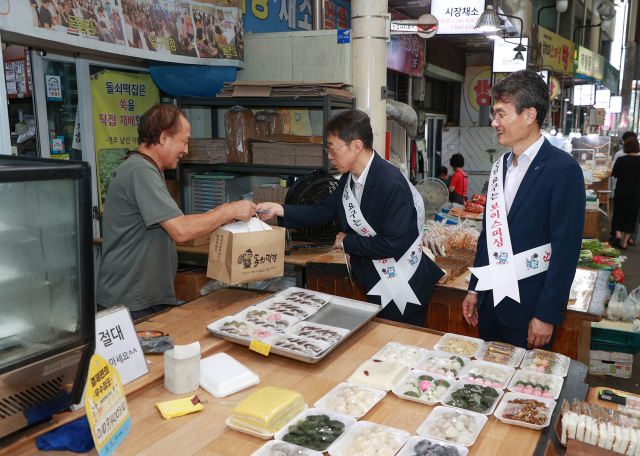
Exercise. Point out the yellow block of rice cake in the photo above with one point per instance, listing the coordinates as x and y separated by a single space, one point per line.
267 410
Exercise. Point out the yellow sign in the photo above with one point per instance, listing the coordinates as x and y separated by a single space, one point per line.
119 101
260 347
554 88
106 406
555 51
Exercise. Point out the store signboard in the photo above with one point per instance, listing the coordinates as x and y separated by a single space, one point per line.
611 79
405 53
504 53
615 105
456 17
556 52
603 98
183 31
584 95
119 100
337 14
588 64
54 87
264 16
554 88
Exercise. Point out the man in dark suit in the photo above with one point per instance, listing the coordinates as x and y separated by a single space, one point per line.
544 199
384 204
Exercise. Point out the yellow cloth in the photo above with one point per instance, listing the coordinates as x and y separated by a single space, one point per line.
179 407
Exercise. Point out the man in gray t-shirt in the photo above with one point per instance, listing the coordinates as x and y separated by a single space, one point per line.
142 222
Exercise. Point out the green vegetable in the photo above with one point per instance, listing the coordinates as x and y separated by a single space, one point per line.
612 279
586 256
610 252
594 246
598 266
617 262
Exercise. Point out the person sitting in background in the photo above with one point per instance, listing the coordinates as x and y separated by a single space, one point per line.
615 235
443 175
626 204
459 181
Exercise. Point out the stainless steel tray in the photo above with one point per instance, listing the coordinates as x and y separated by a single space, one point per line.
338 312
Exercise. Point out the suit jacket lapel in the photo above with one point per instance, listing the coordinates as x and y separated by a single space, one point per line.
530 177
370 183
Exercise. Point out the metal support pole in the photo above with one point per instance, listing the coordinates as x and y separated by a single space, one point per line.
317 14
5 132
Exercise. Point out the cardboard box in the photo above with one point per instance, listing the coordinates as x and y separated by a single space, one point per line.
188 283
202 240
236 258
611 356
600 367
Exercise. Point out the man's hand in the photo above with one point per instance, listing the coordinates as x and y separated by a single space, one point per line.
470 309
339 238
274 209
242 210
539 333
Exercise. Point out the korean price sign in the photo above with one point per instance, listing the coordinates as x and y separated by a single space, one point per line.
119 101
106 405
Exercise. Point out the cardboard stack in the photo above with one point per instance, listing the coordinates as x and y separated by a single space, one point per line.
279 89
206 151
188 283
610 363
287 154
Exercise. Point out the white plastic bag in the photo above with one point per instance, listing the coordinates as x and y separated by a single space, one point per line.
622 306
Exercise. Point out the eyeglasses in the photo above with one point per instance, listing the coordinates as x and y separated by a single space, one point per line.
499 116
331 151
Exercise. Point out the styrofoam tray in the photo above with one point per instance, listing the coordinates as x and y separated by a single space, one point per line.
459 384
377 394
258 434
348 421
221 375
549 378
442 355
387 387
218 324
264 450
292 321
308 310
437 413
284 338
509 371
338 449
564 364
295 330
403 361
399 390
316 294
407 449
448 336
515 362
511 396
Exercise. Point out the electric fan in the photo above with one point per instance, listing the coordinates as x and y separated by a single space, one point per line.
435 194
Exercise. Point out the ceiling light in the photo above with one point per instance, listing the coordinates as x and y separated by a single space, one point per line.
562 5
494 35
519 56
569 112
489 20
553 131
567 99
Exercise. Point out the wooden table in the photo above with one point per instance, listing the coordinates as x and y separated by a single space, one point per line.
298 257
328 274
205 433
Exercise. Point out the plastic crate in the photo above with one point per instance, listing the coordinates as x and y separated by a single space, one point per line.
615 338
601 346
439 218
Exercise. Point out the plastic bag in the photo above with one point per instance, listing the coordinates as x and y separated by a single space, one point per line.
156 344
473 207
480 199
274 122
444 245
239 125
616 303
471 241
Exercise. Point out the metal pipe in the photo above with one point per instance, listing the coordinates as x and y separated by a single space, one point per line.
584 24
369 59
317 14
543 8
581 27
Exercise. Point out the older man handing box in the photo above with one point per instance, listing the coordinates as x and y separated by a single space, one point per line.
532 229
382 217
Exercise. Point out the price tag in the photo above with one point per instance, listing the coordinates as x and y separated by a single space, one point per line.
260 347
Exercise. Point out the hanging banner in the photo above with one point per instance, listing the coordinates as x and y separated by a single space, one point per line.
588 64
204 32
611 79
119 100
405 53
106 405
552 50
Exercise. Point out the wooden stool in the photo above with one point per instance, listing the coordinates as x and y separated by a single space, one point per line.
603 198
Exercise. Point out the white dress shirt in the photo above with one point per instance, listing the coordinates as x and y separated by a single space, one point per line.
359 183
515 174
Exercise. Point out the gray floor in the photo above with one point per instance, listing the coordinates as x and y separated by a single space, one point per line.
631 269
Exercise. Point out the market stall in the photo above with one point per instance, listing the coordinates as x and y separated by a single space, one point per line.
205 432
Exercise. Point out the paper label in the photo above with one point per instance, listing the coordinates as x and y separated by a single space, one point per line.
260 347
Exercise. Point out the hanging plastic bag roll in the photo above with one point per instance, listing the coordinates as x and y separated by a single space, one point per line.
239 125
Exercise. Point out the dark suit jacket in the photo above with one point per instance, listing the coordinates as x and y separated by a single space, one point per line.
549 207
387 205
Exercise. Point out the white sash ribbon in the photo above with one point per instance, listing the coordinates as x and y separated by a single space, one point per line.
505 268
394 275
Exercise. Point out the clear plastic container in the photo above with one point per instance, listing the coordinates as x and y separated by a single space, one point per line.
451 415
409 448
436 361
348 422
533 382
438 380
445 345
477 369
501 354
338 449
378 395
460 384
546 362
395 352
504 405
